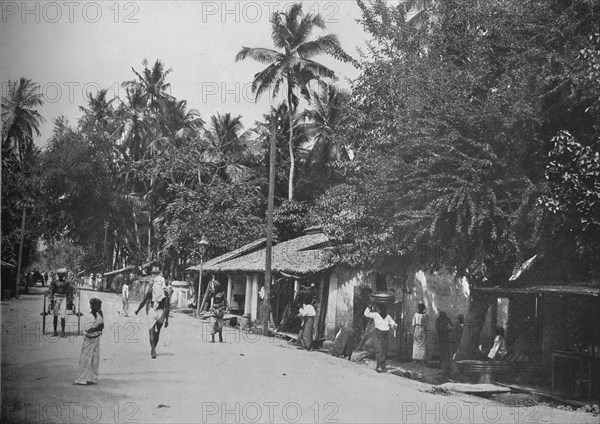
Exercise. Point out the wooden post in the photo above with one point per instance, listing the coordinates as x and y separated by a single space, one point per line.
21 251
248 298
254 304
269 247
229 289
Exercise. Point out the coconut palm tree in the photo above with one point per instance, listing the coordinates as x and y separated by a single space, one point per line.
301 139
153 82
293 64
20 119
231 147
176 123
98 113
324 121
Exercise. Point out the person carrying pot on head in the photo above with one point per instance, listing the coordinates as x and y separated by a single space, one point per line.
382 333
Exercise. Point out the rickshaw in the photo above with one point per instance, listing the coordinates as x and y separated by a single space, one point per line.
73 298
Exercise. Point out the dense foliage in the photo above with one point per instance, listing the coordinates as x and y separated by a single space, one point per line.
470 139
453 123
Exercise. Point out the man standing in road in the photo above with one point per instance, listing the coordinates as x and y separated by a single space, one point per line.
157 302
60 290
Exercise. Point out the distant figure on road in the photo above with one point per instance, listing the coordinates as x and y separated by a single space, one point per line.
157 304
420 322
125 294
382 334
219 309
89 360
308 314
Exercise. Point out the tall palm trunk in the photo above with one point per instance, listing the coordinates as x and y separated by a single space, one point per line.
136 231
149 234
291 142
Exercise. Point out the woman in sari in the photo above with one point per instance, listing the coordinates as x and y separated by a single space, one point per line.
89 359
308 314
420 322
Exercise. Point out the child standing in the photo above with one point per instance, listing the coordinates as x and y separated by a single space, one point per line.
90 351
219 309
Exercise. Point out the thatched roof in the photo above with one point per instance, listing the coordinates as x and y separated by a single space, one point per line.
303 255
255 245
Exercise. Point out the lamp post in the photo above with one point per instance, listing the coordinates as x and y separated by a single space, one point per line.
202 248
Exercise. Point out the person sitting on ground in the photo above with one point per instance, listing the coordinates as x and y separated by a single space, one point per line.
499 351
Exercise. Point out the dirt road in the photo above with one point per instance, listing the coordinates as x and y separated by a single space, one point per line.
245 379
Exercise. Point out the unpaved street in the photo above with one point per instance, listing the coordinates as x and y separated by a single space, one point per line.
245 379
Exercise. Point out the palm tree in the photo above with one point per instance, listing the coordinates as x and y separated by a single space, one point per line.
99 111
301 138
292 65
153 82
325 119
231 147
20 119
176 123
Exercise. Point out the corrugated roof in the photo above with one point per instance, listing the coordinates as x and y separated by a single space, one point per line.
573 289
118 271
303 255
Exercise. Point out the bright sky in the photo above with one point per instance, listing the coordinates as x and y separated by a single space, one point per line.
74 47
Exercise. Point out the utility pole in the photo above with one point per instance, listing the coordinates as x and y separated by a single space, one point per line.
269 247
21 250
104 249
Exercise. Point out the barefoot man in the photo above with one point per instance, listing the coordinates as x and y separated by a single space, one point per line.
157 301
59 291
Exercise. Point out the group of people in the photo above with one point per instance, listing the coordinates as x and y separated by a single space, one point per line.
448 335
156 301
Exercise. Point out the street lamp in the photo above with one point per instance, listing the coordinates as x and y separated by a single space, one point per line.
202 248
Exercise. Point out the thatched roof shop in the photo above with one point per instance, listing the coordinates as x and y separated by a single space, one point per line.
307 254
